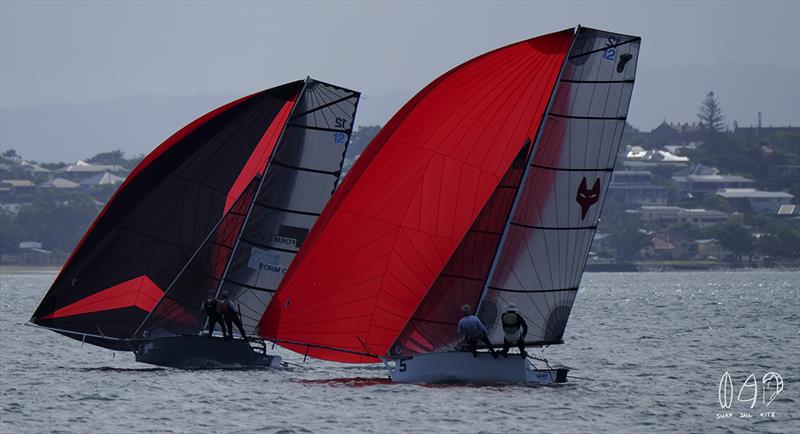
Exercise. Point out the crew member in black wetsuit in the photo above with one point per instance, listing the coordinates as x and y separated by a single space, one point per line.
211 308
230 312
514 330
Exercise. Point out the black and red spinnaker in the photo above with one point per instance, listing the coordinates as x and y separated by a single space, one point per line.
159 216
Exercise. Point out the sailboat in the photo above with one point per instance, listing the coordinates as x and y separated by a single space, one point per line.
484 189
222 205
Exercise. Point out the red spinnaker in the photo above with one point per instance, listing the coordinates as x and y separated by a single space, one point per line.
408 202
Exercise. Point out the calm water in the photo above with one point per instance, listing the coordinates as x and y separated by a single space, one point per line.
647 351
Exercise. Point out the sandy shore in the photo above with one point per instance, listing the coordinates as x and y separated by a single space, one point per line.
22 269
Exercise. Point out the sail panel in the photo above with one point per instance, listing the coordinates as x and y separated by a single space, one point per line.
409 201
297 188
571 135
161 213
540 266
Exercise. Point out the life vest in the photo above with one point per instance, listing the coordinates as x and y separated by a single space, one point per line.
224 308
512 326
511 322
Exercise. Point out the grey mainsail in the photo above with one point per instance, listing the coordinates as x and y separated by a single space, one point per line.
540 264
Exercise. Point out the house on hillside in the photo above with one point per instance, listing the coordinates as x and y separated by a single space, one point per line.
709 249
675 133
673 215
59 183
668 245
701 185
82 170
758 201
101 179
637 158
697 169
34 169
634 188
13 189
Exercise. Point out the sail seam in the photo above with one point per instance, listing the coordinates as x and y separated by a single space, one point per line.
567 80
330 130
604 48
554 228
573 169
456 276
530 291
306 169
324 106
591 118
277 208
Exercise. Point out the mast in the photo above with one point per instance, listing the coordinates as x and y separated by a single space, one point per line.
542 124
258 189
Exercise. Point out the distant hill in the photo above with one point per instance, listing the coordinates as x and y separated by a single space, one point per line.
137 124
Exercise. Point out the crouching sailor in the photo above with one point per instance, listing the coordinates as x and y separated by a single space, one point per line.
211 309
231 315
514 330
471 329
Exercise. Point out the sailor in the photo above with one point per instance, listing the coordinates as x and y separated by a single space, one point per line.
230 312
514 330
210 307
472 330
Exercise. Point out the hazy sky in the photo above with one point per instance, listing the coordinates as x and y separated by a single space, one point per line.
91 51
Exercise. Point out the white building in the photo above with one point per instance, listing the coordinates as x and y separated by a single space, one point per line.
759 201
677 215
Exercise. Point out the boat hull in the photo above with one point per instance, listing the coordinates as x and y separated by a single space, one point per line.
201 352
462 367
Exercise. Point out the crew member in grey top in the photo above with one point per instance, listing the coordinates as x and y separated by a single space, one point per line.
471 330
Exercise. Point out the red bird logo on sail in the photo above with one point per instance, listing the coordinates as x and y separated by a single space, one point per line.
586 197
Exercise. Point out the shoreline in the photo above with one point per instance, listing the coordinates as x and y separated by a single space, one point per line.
29 269
593 268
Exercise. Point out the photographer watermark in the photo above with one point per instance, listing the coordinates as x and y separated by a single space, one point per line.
771 387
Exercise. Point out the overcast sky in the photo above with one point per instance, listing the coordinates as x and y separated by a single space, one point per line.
93 51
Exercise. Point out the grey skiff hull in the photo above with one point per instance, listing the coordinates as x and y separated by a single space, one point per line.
200 352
